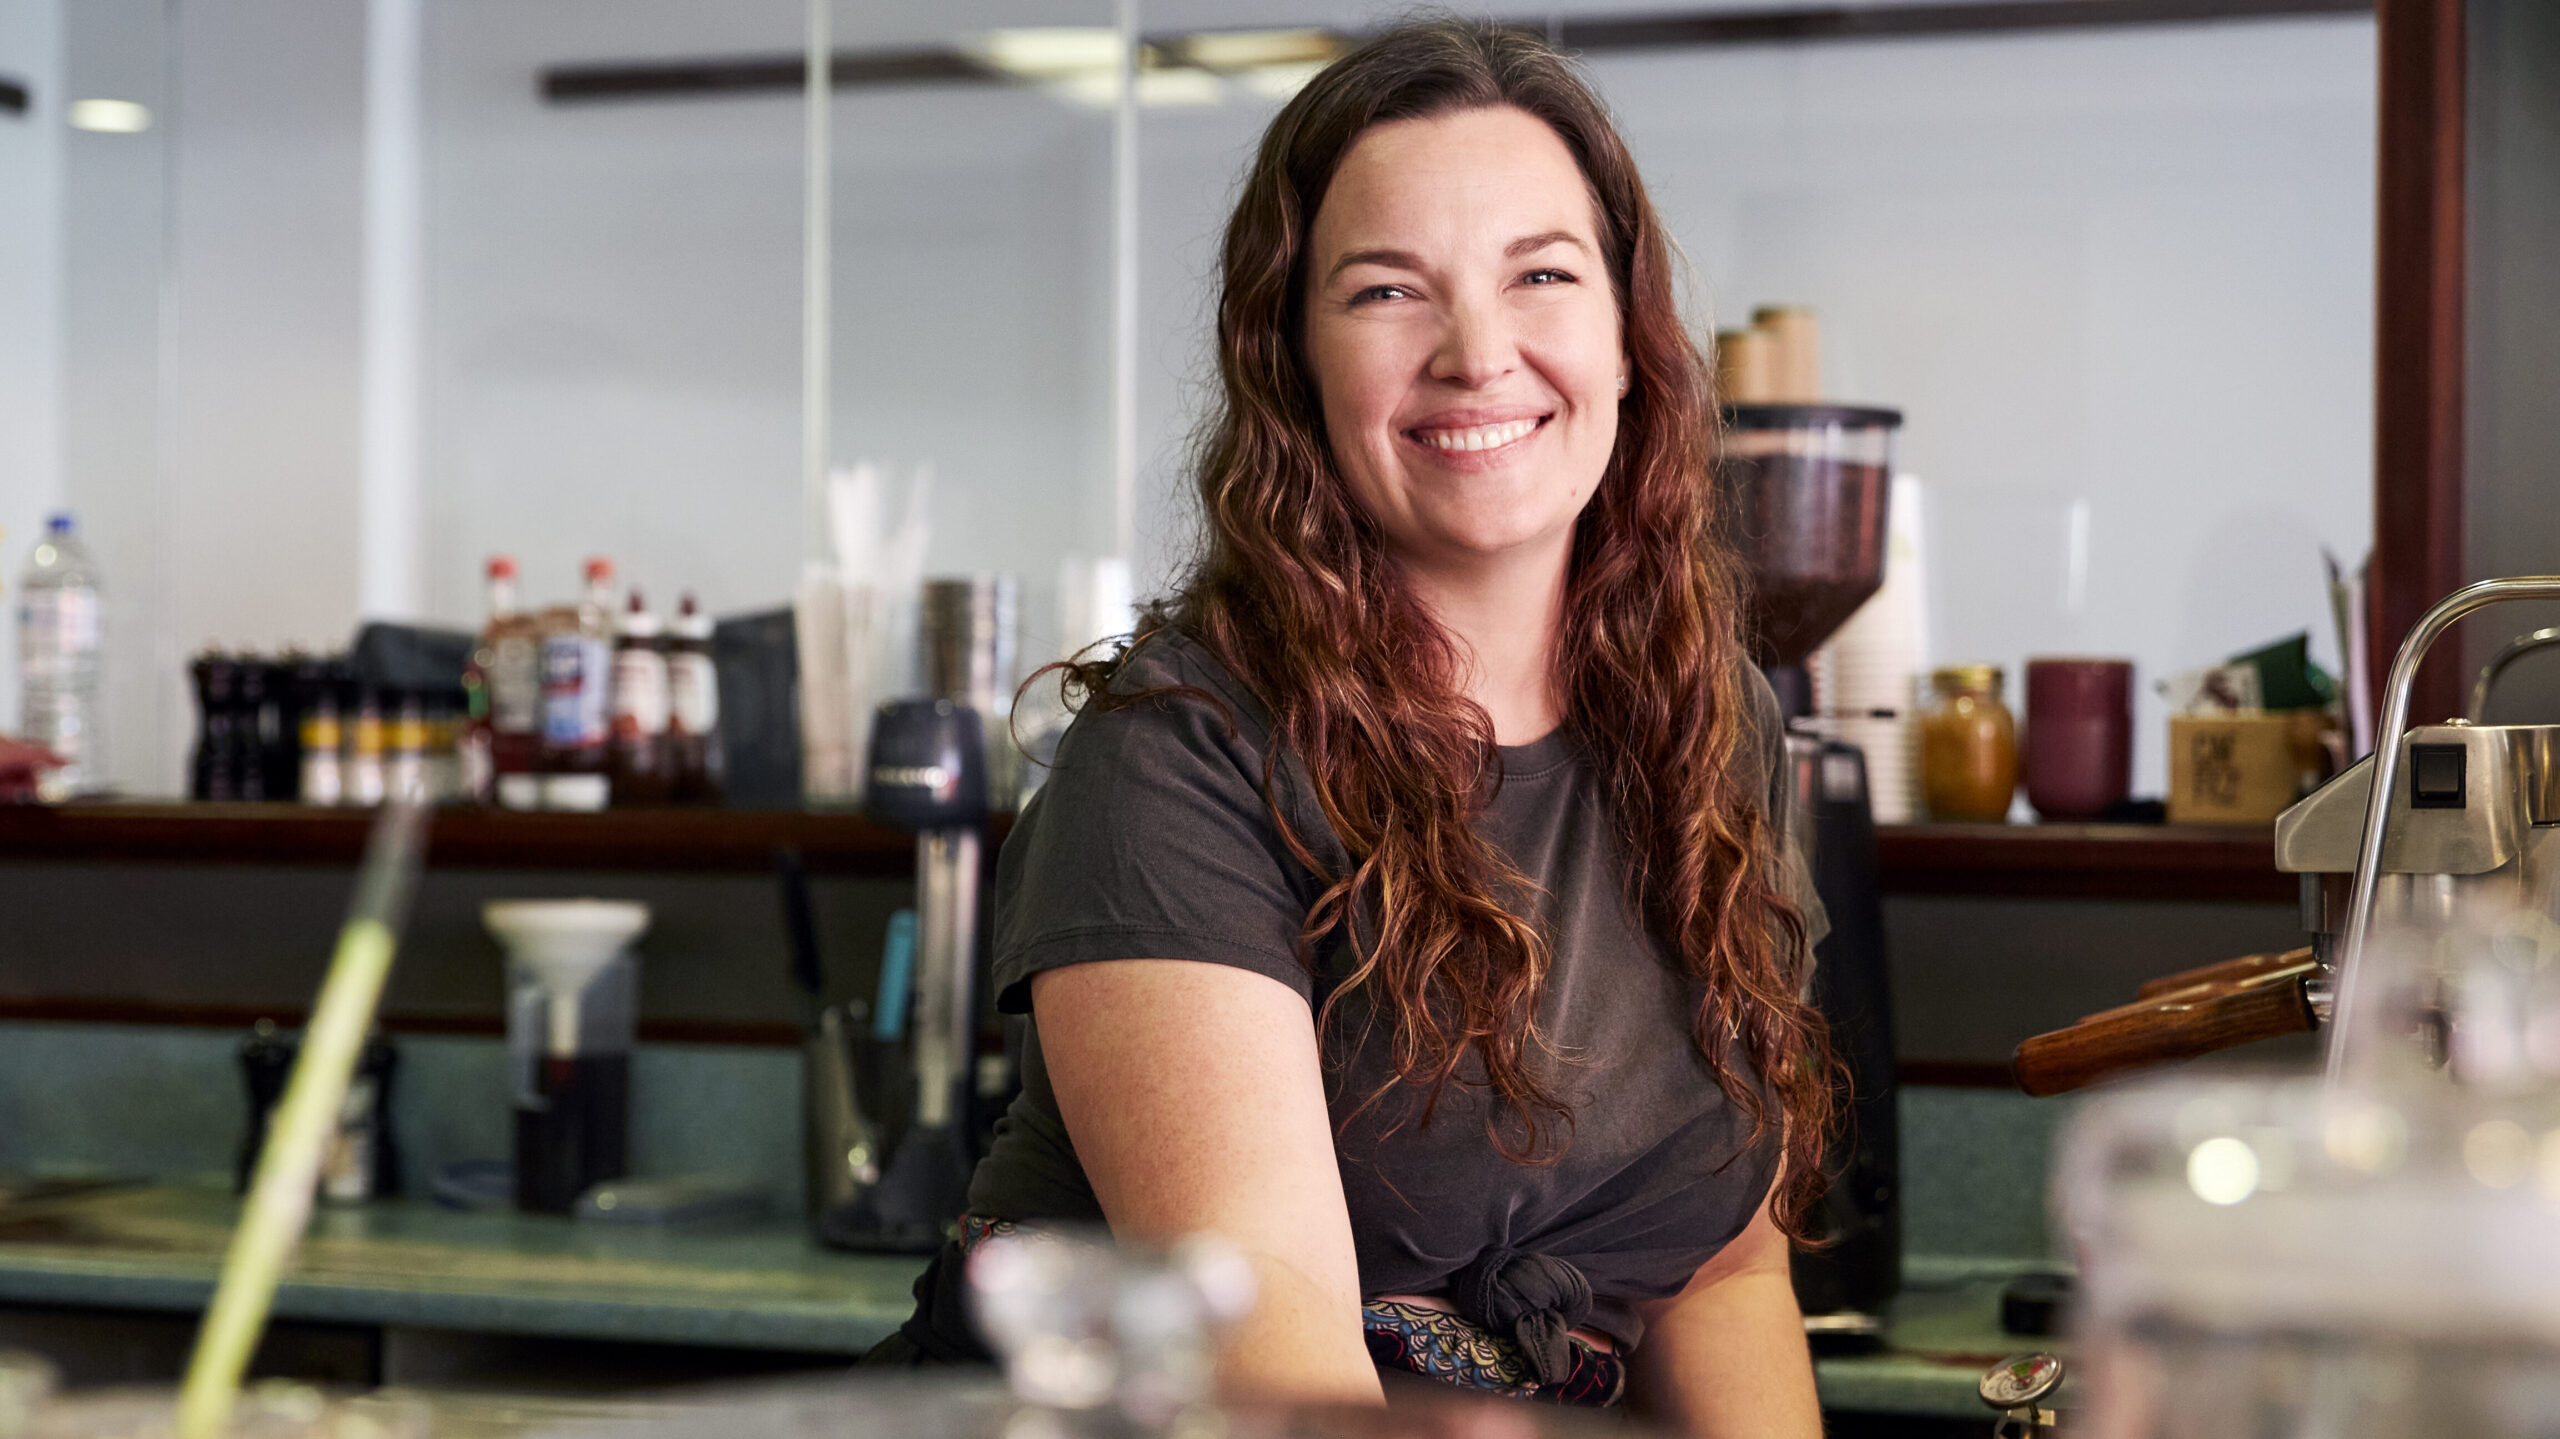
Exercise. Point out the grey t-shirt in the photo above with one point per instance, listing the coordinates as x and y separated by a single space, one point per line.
1151 840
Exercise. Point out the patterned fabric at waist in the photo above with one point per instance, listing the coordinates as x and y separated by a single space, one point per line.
1441 1345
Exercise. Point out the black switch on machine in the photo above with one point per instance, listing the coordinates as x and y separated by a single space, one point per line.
2437 776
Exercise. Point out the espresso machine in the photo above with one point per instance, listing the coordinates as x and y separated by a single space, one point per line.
1808 487
2365 1253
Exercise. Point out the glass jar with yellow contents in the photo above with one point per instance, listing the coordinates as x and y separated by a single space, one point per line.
1968 746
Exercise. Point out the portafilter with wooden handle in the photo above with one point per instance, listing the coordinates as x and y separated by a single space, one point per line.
2179 1016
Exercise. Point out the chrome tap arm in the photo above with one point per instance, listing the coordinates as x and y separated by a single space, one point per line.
2515 650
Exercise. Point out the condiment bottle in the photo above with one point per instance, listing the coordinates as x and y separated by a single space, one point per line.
640 768
323 735
577 708
405 746
693 710
366 773
252 719
214 769
503 756
1968 746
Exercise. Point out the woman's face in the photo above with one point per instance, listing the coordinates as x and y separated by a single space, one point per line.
1464 337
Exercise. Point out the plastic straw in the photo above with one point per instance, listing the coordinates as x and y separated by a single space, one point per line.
279 1205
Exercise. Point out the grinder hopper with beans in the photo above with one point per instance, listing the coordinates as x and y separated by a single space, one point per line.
2431 890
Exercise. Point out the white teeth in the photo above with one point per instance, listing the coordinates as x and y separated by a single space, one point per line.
1482 437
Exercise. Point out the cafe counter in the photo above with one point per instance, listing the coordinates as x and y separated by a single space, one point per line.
411 1264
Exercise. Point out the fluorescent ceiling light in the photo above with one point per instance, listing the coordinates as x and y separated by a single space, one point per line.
1176 86
1180 86
110 117
1253 49
1279 82
1051 52
1082 63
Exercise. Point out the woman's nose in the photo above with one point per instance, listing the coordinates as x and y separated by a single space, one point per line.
1477 345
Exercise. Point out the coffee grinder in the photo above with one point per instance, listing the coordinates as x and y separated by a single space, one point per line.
1808 486
892 1111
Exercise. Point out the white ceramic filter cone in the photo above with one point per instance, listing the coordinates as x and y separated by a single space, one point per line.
566 943
1866 678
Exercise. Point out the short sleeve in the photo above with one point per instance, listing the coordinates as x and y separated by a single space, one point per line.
1150 839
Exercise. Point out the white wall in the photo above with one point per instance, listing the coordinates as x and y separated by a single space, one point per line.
30 306
263 326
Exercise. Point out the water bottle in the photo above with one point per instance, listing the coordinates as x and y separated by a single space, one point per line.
61 633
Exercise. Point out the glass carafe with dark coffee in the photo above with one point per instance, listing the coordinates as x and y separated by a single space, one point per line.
572 992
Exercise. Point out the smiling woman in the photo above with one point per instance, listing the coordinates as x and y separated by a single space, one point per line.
1408 904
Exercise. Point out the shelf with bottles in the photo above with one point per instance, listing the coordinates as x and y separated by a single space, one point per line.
573 708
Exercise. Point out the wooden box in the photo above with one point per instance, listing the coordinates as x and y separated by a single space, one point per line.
2231 769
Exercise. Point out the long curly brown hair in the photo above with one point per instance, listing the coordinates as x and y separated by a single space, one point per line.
1294 592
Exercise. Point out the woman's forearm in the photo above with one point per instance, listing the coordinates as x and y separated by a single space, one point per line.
1728 1361
1300 1344
1194 1094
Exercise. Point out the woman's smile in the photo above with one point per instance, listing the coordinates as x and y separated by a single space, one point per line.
1474 439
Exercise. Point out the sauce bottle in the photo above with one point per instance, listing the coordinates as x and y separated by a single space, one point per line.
640 705
324 737
366 774
693 720
577 690
405 746
504 757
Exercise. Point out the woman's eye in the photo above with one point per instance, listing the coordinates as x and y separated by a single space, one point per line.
1379 292
1547 277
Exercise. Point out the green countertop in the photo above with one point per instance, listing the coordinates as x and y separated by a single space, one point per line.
412 1263
762 1287
1944 1330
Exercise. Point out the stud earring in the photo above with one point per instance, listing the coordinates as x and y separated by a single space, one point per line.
1622 384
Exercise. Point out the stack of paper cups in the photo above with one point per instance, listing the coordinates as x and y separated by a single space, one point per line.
1866 679
1795 362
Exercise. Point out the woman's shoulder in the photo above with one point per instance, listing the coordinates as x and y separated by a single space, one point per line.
1171 660
1172 708
1182 728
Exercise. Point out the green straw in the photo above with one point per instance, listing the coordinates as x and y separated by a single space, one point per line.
279 1205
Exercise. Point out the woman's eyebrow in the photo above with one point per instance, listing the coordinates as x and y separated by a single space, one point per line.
1531 244
1392 259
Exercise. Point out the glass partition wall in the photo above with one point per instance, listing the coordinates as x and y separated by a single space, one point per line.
974 354
386 289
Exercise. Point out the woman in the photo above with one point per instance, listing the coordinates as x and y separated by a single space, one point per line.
1408 906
